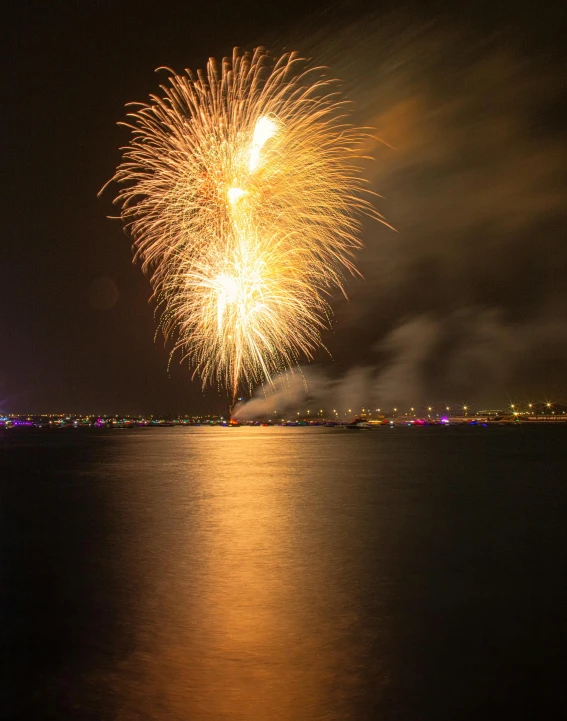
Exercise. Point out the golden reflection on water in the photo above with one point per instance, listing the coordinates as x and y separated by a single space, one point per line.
233 623
279 573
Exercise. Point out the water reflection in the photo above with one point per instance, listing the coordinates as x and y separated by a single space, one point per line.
244 613
275 574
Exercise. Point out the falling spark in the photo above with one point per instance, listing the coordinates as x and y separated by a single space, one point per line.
242 192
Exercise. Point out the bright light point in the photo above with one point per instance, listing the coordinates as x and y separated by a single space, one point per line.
227 291
234 194
227 286
264 130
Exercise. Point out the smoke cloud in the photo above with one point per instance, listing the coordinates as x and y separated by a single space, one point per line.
471 353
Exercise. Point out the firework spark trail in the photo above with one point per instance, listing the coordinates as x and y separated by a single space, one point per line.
243 196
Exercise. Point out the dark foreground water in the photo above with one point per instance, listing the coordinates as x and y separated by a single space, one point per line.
285 574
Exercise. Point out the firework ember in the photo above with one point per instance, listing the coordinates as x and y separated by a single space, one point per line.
243 195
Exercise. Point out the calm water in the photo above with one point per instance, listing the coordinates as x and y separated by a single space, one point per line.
285 574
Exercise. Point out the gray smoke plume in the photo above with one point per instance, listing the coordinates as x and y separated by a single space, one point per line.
471 353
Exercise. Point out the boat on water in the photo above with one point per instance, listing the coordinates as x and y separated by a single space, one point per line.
358 425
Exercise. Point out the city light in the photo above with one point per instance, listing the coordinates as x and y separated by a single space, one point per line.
542 413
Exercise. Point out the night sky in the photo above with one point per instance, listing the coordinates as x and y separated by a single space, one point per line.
466 301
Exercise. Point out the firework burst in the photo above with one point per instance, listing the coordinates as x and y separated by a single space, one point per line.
241 190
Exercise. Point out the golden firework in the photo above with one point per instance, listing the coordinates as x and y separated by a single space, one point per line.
243 195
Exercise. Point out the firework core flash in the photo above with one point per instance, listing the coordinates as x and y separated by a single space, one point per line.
242 191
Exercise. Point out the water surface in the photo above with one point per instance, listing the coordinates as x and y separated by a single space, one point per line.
285 574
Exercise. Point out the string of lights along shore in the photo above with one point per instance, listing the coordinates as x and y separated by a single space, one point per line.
243 192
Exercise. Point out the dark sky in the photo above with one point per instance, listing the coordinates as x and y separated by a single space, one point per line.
468 298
